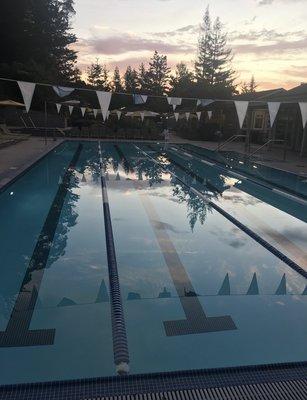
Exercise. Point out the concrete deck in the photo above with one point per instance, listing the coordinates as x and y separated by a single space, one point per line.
16 158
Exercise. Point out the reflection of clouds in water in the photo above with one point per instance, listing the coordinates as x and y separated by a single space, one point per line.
241 198
295 234
237 239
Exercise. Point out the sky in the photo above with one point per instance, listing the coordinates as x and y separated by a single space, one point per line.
268 37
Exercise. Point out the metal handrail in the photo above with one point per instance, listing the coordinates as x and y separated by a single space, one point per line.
265 144
231 139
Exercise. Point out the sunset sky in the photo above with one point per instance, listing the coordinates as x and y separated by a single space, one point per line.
269 37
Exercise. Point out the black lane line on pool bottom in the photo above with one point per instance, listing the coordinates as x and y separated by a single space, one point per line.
196 321
17 333
120 342
233 220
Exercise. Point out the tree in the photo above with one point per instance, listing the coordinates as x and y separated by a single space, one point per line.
213 65
131 80
249 87
117 81
98 76
182 82
158 74
38 40
143 79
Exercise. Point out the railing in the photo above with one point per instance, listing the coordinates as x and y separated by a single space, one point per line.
264 145
230 140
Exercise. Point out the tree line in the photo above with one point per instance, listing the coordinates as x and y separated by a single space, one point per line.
38 47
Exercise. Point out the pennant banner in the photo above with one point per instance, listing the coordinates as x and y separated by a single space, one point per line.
108 114
176 116
58 107
142 116
71 109
204 102
187 115
83 109
210 114
27 91
241 107
62 91
140 98
118 113
174 101
303 108
95 111
198 115
104 99
273 110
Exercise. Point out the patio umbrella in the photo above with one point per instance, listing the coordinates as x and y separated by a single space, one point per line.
11 103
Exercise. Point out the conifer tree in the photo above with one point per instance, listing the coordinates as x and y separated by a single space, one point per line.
182 81
98 76
131 80
117 81
158 74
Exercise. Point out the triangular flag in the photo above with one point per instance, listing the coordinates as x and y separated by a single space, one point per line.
303 108
241 107
176 116
225 288
104 99
204 102
95 111
108 114
210 114
142 116
58 107
273 110
253 289
282 288
83 109
198 115
174 101
187 115
62 91
118 113
71 109
27 91
140 98
305 291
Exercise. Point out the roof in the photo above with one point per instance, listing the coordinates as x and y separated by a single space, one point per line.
262 95
297 94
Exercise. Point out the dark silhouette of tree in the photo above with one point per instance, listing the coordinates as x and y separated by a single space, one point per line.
249 87
98 76
213 65
38 40
158 74
117 81
143 79
182 81
130 80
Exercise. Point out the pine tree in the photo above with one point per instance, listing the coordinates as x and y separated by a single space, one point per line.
117 81
98 76
143 79
181 83
130 80
213 66
158 74
249 87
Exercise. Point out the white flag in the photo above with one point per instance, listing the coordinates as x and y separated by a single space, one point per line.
176 116
187 115
174 101
58 107
210 114
142 116
95 111
71 109
62 91
118 113
273 110
204 102
104 99
27 91
241 107
108 114
140 98
198 115
303 108
83 109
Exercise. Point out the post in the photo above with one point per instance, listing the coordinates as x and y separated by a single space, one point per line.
46 121
248 132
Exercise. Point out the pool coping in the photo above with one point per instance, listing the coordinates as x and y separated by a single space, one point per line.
142 384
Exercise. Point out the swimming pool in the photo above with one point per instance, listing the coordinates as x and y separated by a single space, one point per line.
146 258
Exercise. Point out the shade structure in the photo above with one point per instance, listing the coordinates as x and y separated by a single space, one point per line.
145 113
11 103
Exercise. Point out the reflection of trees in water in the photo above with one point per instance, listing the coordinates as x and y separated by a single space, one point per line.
151 171
197 209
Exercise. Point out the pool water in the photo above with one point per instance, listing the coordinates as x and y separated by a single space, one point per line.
196 290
